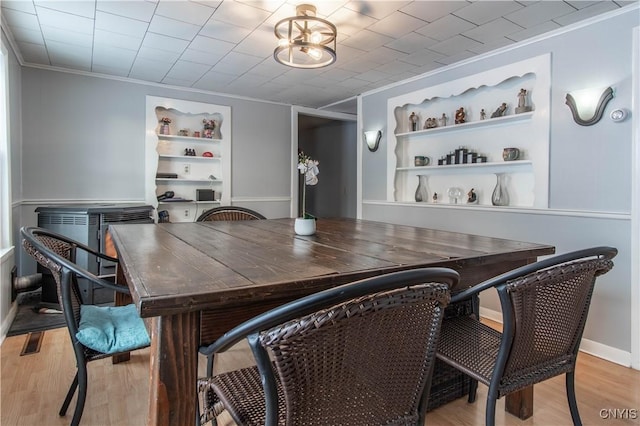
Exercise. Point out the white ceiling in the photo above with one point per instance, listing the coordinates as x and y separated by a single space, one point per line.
227 46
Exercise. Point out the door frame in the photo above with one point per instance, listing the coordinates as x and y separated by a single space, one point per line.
296 111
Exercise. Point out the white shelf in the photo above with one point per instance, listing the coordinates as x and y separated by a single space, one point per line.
189 157
177 138
167 203
471 125
494 167
184 180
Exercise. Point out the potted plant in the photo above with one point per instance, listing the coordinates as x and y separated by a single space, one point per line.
306 225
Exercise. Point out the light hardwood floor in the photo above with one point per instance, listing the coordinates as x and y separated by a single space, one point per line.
32 388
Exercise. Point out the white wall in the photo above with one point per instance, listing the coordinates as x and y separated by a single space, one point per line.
590 167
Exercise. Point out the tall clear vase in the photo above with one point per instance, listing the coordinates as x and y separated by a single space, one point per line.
422 193
500 196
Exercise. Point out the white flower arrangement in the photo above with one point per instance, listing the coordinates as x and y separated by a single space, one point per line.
309 168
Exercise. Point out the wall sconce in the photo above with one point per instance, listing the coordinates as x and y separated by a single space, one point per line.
587 106
372 138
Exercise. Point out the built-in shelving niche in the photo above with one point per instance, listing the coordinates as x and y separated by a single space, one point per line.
529 131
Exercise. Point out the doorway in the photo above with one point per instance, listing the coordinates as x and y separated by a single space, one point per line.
331 139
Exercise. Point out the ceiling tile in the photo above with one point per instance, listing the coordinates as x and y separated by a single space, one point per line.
110 56
493 30
422 57
240 14
224 31
20 19
86 9
367 40
445 27
27 36
538 13
260 42
200 57
534 31
163 42
214 81
376 9
268 5
60 35
585 13
185 11
65 55
106 38
454 45
111 69
396 67
191 71
34 53
140 10
433 10
173 28
481 12
149 69
493 45
56 19
236 63
397 25
411 42
210 45
19 5
159 55
120 24
383 55
349 22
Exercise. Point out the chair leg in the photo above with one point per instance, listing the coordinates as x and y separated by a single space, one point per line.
209 365
67 399
490 414
473 389
571 396
82 395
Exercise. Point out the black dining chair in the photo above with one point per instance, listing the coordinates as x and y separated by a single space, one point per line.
544 310
96 332
358 354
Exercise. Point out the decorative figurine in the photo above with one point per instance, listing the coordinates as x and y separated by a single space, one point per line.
483 114
413 119
500 111
435 197
522 102
430 123
443 120
472 197
183 132
460 116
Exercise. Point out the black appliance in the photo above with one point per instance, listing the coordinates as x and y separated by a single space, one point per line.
87 224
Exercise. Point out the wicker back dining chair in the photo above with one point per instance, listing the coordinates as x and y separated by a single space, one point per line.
544 310
358 354
96 332
229 213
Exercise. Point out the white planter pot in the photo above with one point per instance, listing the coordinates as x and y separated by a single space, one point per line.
305 226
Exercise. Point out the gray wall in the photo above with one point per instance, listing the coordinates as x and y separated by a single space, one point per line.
590 167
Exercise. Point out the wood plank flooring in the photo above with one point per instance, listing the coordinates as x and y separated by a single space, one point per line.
32 387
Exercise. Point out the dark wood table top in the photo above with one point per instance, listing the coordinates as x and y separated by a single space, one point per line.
185 267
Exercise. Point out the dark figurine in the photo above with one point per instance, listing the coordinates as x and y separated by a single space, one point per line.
460 116
413 120
435 197
500 111
472 197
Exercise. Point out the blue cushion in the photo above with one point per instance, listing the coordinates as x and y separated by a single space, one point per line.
111 329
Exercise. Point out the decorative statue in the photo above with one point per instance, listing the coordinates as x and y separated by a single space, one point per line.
472 197
483 114
443 120
413 119
435 197
430 123
460 116
500 111
522 102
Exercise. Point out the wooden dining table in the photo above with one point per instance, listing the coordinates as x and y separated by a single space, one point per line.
195 281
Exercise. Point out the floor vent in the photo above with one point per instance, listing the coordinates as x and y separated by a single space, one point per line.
32 343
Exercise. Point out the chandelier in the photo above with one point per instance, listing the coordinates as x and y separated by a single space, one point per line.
305 41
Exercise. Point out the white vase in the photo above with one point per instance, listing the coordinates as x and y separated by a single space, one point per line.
305 226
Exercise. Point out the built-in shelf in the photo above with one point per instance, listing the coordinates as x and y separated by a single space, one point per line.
507 119
189 157
494 167
178 138
185 180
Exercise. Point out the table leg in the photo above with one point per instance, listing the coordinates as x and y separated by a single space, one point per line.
520 403
121 299
174 369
